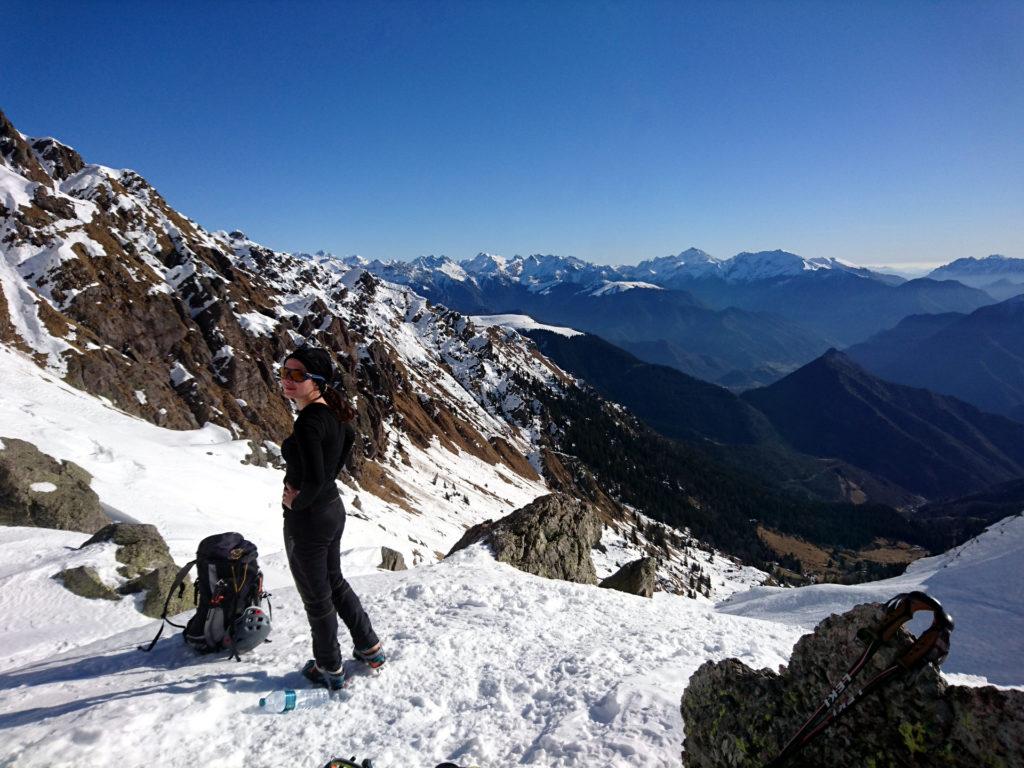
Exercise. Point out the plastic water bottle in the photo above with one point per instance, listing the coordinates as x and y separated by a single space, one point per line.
286 701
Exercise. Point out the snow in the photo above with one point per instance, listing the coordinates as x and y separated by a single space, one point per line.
180 374
487 665
522 323
43 487
14 189
620 286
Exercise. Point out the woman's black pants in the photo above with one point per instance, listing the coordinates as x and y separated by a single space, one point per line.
312 541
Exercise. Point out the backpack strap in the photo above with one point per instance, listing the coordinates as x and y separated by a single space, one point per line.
179 584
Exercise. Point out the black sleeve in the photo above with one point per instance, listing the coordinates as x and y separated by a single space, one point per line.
309 437
348 437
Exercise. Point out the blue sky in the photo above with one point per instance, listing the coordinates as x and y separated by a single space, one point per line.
884 132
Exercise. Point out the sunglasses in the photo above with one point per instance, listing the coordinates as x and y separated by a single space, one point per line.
294 374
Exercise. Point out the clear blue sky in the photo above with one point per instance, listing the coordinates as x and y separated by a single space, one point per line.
612 131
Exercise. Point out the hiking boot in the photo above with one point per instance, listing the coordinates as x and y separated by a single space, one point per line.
332 681
373 658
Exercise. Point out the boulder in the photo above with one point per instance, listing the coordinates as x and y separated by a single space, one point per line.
139 546
156 584
391 560
147 564
736 717
639 577
40 491
85 582
552 536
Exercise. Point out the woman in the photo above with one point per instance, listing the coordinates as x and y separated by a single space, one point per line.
314 516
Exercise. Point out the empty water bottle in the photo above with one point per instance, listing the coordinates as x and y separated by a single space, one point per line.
286 701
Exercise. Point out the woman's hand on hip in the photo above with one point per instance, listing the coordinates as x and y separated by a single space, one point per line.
288 496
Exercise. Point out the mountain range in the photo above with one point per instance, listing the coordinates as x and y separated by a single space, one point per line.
930 444
977 357
740 322
999 276
831 429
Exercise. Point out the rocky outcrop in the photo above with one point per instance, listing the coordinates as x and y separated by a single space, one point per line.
155 585
147 564
736 717
86 582
552 537
391 560
40 491
140 547
639 577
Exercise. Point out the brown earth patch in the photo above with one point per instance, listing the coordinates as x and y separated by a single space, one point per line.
7 333
839 564
376 481
513 459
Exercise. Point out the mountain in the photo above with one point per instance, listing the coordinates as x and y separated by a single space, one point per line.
964 517
1000 276
725 426
674 404
666 326
977 357
747 317
930 444
840 304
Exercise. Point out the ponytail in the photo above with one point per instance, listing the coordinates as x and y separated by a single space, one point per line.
339 406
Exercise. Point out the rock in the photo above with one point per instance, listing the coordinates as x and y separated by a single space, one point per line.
40 491
552 537
85 582
147 564
156 584
140 547
391 560
737 717
637 578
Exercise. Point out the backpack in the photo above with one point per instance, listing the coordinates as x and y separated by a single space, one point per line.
228 594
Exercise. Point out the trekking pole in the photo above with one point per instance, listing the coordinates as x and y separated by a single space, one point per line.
931 646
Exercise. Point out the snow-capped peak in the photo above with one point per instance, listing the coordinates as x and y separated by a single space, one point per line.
995 265
691 262
764 265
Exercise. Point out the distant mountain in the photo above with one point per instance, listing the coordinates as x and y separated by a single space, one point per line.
682 407
930 444
840 304
674 404
819 301
1000 276
977 357
659 324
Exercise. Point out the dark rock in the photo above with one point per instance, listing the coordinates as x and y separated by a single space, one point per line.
391 560
552 537
156 584
140 547
64 159
637 578
85 582
736 717
71 506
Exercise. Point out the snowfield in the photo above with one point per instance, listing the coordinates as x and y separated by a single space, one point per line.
487 665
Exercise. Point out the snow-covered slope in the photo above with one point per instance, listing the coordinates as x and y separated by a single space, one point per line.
487 664
979 583
522 322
